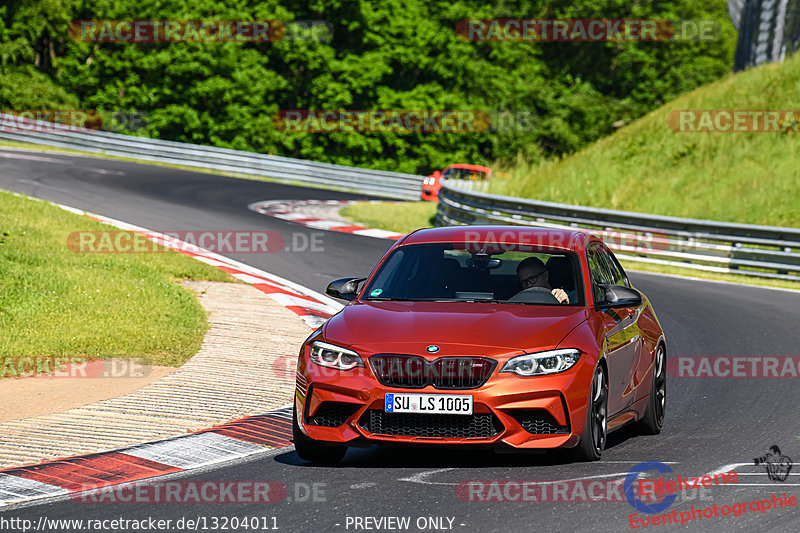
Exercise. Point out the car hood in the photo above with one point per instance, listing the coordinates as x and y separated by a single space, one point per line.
458 328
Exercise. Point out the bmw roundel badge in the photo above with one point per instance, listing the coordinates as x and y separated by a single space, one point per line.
432 348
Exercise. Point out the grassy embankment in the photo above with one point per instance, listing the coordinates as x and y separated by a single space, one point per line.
750 178
58 303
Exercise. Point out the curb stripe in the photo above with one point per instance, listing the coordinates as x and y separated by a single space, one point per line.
287 210
378 233
112 467
273 429
290 300
258 435
258 427
194 451
268 284
15 488
232 440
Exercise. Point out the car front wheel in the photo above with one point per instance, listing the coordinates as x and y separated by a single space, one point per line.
593 440
653 419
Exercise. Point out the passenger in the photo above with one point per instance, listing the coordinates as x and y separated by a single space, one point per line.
532 273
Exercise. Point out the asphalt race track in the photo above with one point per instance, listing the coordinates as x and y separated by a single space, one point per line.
710 423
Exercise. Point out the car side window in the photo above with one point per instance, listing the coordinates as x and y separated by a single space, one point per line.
616 269
614 274
598 272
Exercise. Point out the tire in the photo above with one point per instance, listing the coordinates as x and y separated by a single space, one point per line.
595 434
314 451
653 419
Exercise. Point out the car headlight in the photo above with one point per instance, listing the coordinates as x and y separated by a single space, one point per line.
332 356
543 363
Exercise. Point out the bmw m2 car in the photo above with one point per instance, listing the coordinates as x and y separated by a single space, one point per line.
506 337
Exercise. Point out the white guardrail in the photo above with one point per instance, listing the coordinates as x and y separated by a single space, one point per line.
374 182
763 251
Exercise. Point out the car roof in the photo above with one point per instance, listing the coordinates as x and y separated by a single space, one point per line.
544 237
468 167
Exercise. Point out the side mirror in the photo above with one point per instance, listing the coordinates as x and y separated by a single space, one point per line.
344 288
619 296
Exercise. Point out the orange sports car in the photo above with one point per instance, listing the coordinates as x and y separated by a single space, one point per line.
499 336
432 184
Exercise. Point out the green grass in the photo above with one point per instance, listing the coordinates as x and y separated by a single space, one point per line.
738 177
58 303
401 217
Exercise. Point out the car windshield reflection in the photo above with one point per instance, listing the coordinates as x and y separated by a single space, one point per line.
478 273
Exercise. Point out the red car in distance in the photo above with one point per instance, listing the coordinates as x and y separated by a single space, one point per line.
442 345
433 183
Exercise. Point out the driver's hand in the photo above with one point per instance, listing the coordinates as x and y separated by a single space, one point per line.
560 295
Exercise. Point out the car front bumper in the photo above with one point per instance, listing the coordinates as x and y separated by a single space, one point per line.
538 412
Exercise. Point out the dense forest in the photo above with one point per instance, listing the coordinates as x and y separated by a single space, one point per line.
537 99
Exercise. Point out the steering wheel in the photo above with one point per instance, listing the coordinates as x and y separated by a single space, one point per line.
534 295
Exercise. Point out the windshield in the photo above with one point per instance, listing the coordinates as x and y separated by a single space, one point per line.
477 272
464 174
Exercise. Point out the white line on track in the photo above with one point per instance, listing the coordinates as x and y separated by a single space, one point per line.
6 155
732 468
637 462
759 474
422 478
773 485
727 468
48 186
363 485
104 171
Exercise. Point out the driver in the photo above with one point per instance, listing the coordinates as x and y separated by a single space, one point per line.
531 273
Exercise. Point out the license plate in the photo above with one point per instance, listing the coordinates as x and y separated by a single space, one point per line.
451 404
